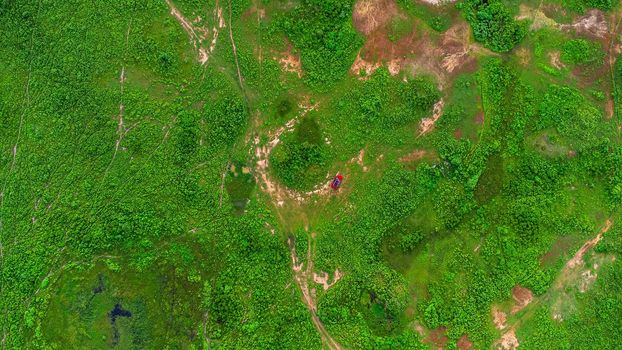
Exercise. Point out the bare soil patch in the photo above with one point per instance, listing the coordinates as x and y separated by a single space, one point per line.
555 60
498 317
359 160
464 343
444 57
508 341
301 277
289 61
437 337
369 15
524 56
363 68
522 297
593 25
438 2
427 124
324 279
577 259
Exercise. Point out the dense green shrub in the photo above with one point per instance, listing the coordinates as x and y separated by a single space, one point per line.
323 32
300 160
493 25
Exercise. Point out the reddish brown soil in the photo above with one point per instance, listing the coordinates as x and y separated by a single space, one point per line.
444 57
522 297
458 134
498 317
464 343
479 118
437 337
577 259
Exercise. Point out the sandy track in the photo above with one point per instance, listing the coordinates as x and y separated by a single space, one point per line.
302 277
202 38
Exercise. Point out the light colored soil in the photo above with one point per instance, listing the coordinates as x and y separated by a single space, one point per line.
370 15
364 69
202 38
289 62
522 297
427 124
577 259
555 61
359 160
415 53
498 317
456 48
280 194
438 2
323 278
524 56
609 107
508 340
576 274
588 277
301 277
593 24
464 343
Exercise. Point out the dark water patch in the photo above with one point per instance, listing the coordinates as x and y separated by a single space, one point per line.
117 311
100 284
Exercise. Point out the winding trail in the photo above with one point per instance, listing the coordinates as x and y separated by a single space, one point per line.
302 277
121 131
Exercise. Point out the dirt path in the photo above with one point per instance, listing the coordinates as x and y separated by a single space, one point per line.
235 52
121 131
301 277
280 194
577 259
427 124
571 274
202 38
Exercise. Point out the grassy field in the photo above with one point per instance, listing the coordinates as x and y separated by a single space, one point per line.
165 170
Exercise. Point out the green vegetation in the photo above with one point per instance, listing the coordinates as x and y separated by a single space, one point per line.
493 24
581 51
323 31
299 161
151 201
